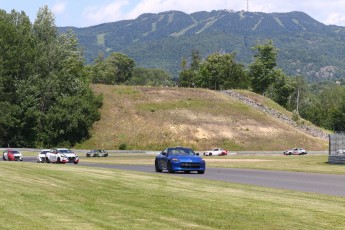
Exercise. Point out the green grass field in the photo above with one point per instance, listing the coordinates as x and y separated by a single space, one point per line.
50 196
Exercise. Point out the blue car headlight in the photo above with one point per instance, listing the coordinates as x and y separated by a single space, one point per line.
176 160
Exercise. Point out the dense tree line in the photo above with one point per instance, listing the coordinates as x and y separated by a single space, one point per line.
45 96
118 68
322 103
222 71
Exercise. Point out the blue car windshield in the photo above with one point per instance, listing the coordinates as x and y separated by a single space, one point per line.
181 152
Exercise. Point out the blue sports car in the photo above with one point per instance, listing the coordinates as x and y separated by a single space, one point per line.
179 159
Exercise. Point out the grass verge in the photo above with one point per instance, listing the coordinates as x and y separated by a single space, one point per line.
46 196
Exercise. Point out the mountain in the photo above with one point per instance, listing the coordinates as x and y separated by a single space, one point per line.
306 46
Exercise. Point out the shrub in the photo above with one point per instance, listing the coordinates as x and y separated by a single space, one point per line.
123 146
295 116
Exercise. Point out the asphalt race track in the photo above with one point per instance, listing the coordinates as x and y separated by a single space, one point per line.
305 182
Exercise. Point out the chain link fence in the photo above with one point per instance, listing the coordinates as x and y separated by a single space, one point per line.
336 148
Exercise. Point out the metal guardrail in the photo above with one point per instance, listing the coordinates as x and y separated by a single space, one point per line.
157 152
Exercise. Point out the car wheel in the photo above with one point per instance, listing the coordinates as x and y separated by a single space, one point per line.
187 171
201 172
47 160
169 166
75 163
210 154
157 167
58 160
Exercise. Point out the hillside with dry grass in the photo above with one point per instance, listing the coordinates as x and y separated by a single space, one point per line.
151 118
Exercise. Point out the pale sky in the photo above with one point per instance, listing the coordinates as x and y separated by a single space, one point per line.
83 13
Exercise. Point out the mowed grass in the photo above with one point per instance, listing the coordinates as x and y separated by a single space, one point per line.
49 196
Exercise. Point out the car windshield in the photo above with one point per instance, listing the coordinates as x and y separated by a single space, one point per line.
181 152
13 152
65 151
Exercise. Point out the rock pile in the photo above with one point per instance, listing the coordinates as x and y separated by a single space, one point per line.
306 129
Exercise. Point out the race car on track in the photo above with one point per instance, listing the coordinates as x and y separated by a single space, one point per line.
216 152
179 159
97 153
42 156
12 155
61 155
295 151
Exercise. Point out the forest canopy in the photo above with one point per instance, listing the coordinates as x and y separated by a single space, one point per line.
45 96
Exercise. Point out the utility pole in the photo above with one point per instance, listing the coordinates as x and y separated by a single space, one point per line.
297 101
247 5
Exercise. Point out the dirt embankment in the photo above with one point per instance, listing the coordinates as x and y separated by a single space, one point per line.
152 118
313 131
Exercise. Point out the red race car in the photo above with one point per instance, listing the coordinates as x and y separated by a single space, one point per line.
12 155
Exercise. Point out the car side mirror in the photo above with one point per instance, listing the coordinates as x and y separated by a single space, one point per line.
164 153
197 154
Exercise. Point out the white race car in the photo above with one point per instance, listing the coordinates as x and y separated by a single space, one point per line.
216 152
295 151
41 157
61 155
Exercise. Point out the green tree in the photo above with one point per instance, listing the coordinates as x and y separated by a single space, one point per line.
99 72
300 95
188 75
117 68
46 90
261 71
122 66
16 55
338 118
222 72
282 89
332 101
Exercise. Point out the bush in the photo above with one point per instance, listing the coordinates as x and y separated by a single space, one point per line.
295 116
123 146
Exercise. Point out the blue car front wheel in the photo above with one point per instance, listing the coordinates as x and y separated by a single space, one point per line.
170 168
157 167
